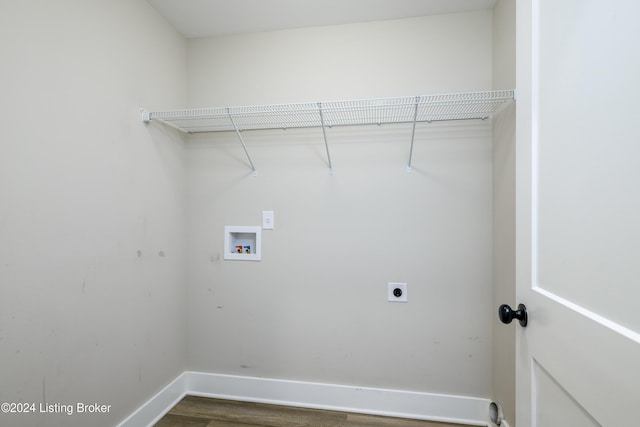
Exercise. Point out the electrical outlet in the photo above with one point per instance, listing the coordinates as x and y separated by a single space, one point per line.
397 292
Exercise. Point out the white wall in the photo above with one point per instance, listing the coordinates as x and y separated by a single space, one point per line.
504 234
315 307
92 236
444 53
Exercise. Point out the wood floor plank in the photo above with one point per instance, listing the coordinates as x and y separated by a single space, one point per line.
171 420
258 414
193 411
224 423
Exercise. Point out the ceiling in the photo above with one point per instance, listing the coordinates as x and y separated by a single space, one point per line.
210 18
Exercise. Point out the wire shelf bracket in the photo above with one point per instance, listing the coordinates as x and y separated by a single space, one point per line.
244 146
324 134
413 133
409 110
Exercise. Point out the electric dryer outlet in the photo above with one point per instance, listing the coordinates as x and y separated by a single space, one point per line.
397 292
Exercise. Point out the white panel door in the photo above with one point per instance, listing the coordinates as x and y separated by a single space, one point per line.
578 212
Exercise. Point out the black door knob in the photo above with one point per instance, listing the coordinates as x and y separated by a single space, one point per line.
507 314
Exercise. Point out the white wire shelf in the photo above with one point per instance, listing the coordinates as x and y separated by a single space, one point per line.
426 108
412 109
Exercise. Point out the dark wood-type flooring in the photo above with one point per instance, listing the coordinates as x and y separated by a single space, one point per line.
205 412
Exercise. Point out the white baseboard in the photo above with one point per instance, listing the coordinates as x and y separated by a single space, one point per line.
156 407
365 400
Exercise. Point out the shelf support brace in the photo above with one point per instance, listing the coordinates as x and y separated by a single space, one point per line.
255 172
413 133
324 134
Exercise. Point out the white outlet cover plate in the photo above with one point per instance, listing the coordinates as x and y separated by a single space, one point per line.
391 286
267 220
